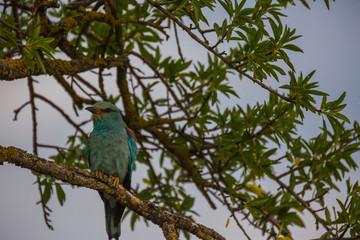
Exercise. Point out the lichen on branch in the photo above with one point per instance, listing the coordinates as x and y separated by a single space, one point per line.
11 69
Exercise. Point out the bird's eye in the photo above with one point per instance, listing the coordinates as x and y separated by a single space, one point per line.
108 110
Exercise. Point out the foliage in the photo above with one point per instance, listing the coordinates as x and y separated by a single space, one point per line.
35 45
185 114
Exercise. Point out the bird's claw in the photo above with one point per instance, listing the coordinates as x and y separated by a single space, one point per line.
116 180
99 174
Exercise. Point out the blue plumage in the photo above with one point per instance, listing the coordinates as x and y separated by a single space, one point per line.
111 149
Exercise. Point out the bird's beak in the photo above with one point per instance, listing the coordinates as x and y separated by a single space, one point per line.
93 110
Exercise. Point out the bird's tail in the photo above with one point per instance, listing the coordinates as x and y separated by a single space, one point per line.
113 213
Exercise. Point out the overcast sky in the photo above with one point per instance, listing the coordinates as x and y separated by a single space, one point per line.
331 46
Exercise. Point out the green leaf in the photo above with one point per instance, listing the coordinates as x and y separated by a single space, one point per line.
340 116
60 194
292 47
227 222
39 62
9 36
246 11
306 4
134 218
47 192
36 31
294 218
187 203
228 8
28 55
276 30
327 4
327 215
223 27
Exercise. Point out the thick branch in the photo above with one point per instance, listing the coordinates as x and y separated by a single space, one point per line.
88 179
170 232
11 69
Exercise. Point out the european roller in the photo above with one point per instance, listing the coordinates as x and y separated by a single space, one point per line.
111 150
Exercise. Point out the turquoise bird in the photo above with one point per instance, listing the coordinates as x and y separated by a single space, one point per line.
111 150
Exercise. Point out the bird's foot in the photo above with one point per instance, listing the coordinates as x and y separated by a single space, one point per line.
116 180
99 174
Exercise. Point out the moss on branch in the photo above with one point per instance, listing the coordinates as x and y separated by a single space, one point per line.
11 69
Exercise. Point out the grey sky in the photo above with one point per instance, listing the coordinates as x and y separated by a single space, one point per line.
331 45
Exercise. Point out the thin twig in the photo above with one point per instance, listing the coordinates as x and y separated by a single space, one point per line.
303 202
76 126
178 43
45 209
17 111
163 80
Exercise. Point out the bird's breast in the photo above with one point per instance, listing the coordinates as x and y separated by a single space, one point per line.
110 154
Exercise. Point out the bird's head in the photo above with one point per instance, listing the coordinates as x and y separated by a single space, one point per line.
105 114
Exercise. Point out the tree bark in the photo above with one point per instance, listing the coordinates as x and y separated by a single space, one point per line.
11 69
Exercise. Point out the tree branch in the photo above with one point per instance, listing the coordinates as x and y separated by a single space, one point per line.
165 220
170 232
11 69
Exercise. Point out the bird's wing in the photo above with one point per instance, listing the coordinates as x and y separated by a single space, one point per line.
87 152
133 152
132 146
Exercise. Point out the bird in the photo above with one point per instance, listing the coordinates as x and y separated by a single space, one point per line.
111 150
